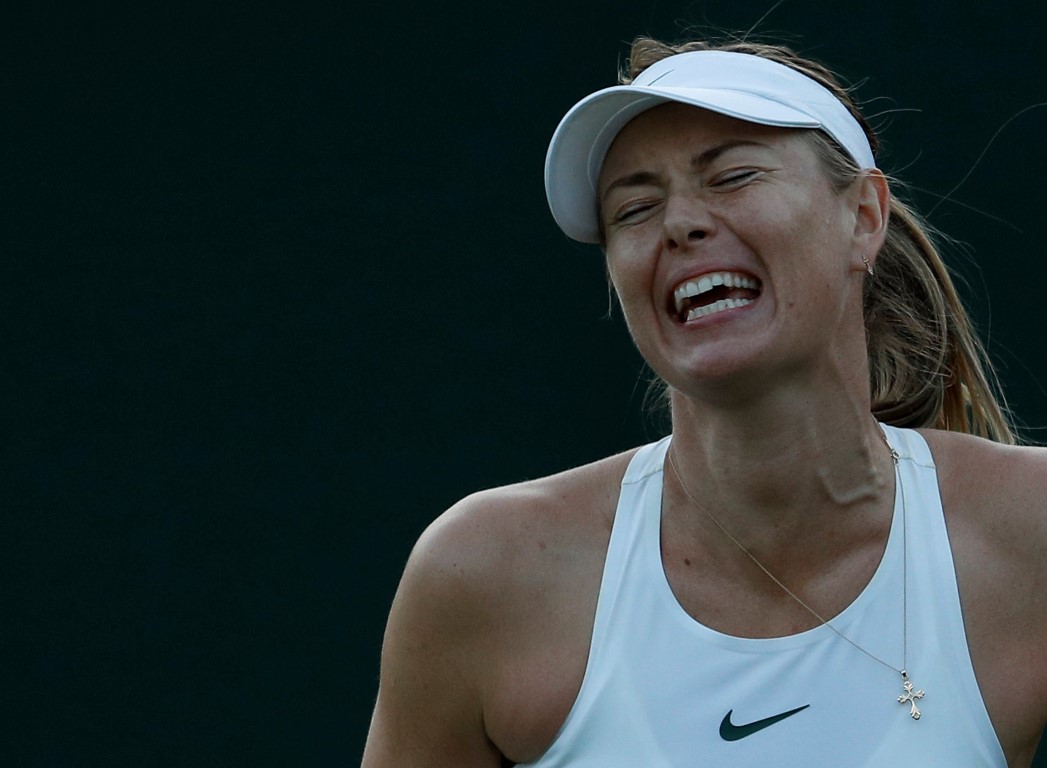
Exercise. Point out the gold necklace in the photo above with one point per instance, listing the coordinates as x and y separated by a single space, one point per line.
909 695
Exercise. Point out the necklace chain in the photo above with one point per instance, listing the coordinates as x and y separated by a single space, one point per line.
825 622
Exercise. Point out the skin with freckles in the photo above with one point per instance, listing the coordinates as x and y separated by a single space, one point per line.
681 197
488 636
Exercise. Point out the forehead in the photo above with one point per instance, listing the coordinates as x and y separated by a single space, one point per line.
680 128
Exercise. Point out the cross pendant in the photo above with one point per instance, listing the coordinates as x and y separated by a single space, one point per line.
910 696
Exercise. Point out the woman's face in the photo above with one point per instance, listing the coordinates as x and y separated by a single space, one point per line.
729 249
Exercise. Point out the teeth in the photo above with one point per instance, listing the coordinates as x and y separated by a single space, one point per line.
706 283
717 306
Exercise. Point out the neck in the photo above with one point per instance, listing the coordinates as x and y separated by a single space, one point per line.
781 469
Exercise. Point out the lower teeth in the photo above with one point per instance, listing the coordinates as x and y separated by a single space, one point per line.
717 306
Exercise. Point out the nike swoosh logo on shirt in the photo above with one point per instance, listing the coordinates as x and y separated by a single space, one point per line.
731 732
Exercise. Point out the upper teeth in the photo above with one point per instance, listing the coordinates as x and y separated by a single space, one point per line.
707 282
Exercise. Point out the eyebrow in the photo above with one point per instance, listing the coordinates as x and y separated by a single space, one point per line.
631 180
706 158
699 162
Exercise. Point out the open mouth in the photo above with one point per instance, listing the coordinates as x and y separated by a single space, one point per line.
713 292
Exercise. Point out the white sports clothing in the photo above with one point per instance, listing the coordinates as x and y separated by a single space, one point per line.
660 688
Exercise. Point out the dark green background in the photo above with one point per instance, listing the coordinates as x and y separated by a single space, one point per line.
280 285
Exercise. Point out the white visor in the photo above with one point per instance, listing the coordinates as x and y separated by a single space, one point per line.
739 85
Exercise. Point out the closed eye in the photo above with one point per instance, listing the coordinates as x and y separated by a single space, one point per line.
633 212
735 177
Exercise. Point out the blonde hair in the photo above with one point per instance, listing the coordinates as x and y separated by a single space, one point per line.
927 367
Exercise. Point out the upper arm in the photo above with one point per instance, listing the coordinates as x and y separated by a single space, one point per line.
429 710
1026 540
1012 522
995 499
1020 538
489 631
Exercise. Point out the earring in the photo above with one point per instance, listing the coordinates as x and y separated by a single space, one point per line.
868 266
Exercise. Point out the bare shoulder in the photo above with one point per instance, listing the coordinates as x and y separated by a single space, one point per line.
491 585
995 502
503 545
1000 488
497 529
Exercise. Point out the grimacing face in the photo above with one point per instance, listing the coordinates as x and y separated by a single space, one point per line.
731 250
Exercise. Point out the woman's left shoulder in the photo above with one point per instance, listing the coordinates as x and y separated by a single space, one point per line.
983 468
995 502
995 492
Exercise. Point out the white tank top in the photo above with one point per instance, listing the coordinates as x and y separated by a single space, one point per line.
662 690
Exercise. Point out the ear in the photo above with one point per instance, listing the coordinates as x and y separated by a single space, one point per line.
872 209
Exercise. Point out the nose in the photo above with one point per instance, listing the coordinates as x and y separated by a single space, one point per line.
686 221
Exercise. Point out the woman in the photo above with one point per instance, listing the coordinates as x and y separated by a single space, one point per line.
775 583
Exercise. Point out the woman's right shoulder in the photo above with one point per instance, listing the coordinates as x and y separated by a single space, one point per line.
494 533
498 597
500 541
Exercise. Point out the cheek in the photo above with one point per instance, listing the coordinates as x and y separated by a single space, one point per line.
634 293
631 279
